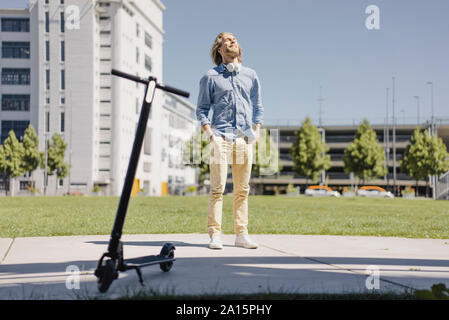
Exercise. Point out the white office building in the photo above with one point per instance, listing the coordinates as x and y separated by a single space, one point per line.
56 63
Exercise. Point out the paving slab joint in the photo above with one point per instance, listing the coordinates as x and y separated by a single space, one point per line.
341 268
7 250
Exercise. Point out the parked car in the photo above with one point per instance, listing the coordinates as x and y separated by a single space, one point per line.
373 191
321 191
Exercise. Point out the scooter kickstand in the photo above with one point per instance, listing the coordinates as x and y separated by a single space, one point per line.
139 274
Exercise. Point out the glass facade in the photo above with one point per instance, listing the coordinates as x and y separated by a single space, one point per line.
62 50
62 122
148 40
62 22
62 79
16 76
15 25
47 21
47 79
15 50
15 102
148 63
18 127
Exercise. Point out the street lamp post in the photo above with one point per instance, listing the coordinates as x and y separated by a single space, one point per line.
394 142
417 109
321 129
387 141
46 164
432 120
432 133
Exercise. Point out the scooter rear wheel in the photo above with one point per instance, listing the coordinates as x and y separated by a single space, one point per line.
168 251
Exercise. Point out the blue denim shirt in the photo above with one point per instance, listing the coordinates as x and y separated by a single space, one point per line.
235 100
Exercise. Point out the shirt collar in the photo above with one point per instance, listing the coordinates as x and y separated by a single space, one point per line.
221 68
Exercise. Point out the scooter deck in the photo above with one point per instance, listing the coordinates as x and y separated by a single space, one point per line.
147 261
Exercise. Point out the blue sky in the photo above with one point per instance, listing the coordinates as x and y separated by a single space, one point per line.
298 46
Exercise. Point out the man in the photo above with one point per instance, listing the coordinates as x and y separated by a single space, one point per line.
232 92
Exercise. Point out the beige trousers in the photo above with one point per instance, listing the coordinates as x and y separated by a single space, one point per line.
239 154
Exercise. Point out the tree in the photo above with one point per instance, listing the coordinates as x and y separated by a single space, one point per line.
424 156
364 156
55 158
32 157
11 154
309 152
438 161
439 157
265 157
414 160
196 155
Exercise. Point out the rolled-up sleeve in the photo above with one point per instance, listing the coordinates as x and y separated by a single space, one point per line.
256 100
204 101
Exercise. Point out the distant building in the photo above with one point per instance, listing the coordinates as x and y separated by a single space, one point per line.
56 75
337 139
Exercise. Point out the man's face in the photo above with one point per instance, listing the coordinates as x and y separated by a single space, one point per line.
229 46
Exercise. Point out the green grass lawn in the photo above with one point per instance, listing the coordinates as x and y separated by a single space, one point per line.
56 216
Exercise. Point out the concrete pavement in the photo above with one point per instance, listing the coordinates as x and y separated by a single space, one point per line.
50 267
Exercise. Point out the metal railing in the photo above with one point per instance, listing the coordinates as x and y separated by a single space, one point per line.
442 187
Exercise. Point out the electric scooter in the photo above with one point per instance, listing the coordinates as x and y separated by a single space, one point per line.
112 262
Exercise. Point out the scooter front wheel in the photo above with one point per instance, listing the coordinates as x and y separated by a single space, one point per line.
106 274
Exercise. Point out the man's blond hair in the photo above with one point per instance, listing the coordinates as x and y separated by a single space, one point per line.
216 56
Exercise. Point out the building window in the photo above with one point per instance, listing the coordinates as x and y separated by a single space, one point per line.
18 127
148 63
47 78
62 1
137 55
147 142
24 185
15 50
47 22
62 79
137 30
62 22
62 122
16 102
47 50
47 121
16 76
62 50
62 100
15 24
148 40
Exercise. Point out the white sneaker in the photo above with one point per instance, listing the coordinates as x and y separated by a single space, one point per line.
215 242
245 241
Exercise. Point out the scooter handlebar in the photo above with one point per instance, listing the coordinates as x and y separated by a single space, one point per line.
128 76
173 90
145 81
